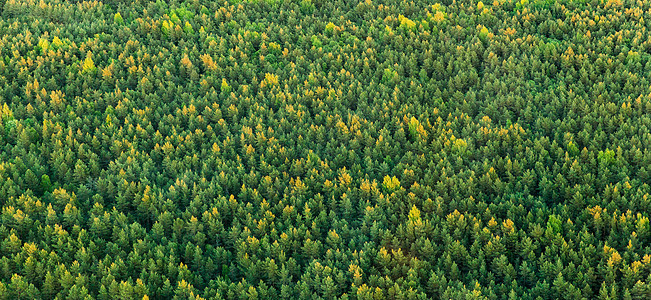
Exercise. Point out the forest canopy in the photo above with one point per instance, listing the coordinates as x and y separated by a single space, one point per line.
377 149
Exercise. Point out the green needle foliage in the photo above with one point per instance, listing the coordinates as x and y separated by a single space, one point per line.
118 19
312 149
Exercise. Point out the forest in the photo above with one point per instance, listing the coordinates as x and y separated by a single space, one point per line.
325 149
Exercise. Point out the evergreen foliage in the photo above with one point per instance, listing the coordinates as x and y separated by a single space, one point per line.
307 149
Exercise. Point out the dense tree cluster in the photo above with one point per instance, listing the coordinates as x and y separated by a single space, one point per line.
376 149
